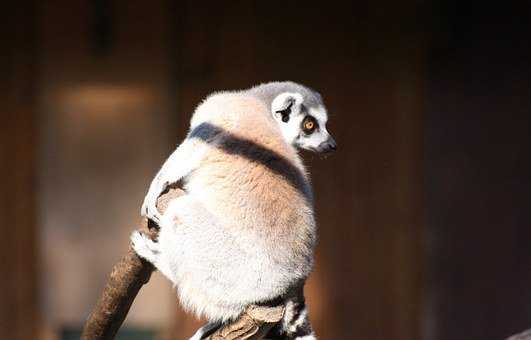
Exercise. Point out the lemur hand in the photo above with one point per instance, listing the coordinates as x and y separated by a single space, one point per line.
149 207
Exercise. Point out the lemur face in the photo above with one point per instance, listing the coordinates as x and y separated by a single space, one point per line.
302 125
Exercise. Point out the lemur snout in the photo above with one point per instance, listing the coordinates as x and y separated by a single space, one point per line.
328 145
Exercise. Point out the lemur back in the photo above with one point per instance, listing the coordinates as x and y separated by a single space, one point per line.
248 172
255 186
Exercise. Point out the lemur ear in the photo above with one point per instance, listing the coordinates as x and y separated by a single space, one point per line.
285 104
286 112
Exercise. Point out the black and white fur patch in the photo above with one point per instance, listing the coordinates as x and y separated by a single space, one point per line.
295 324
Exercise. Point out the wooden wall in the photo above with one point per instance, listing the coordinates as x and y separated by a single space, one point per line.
478 170
105 122
19 318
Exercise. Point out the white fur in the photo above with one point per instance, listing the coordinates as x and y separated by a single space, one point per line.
242 233
306 337
290 130
180 163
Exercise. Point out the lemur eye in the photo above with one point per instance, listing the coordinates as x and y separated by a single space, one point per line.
309 124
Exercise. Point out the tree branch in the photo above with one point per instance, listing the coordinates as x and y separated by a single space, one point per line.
254 323
132 272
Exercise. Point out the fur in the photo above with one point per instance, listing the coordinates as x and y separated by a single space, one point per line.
244 232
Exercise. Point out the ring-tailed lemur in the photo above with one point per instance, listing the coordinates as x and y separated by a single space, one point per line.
244 233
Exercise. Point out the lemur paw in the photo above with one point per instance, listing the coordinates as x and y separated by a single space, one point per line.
149 208
144 246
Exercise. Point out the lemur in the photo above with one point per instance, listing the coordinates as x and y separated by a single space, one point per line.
244 231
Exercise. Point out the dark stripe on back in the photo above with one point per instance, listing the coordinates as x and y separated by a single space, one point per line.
255 153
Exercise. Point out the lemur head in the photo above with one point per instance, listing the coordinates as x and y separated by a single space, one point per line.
302 117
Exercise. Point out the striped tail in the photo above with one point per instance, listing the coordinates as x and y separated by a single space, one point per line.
296 323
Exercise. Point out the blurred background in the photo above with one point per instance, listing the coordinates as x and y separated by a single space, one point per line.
424 211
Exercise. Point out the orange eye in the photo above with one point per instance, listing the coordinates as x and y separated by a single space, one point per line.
309 125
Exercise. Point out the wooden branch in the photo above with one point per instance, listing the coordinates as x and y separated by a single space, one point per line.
132 272
254 324
124 283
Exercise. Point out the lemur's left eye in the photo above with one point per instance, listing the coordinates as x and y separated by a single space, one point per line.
309 124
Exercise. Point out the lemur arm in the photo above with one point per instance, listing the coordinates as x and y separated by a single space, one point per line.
180 163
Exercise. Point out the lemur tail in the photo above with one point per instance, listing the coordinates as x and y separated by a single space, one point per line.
296 323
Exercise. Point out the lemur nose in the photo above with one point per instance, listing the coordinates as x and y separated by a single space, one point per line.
328 146
332 144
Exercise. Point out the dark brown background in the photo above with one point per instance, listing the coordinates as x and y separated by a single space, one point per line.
424 210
